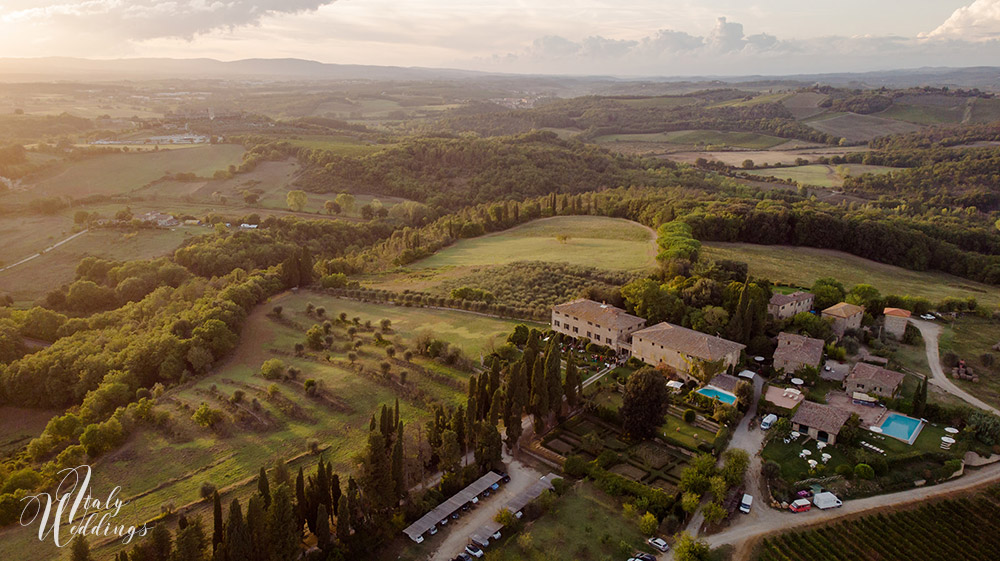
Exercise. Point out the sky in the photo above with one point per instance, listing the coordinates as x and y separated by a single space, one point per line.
623 37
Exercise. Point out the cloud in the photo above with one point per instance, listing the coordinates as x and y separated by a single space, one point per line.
978 21
149 19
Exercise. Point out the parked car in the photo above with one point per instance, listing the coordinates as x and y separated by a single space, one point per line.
444 522
769 420
658 543
800 505
826 500
466 507
495 486
433 530
643 556
474 550
746 503
504 477
455 515
496 535
463 557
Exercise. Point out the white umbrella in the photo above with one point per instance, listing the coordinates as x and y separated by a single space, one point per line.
812 463
797 381
806 453
951 430
795 434
876 430
947 440
820 445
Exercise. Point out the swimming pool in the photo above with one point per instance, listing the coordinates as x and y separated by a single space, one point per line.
902 427
715 393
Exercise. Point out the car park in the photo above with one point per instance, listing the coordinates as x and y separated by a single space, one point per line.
658 543
474 550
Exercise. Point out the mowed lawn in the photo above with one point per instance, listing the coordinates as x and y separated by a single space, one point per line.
594 241
970 338
585 524
115 174
803 265
166 467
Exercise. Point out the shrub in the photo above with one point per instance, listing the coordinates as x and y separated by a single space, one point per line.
575 466
845 471
310 387
864 471
648 524
207 490
206 416
560 485
689 415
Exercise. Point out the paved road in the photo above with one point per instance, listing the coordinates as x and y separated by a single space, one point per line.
776 521
450 541
931 332
50 248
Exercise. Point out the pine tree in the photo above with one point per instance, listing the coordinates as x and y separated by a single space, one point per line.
322 528
283 532
237 543
572 383
264 488
218 531
80 550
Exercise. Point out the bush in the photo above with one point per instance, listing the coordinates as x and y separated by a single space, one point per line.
206 416
648 524
272 369
560 485
207 490
689 416
575 466
864 471
845 471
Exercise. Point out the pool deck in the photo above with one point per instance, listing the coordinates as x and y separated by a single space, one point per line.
720 390
913 435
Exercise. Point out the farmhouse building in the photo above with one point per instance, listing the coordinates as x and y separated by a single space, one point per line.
845 316
795 352
679 347
819 421
784 306
870 379
601 323
895 321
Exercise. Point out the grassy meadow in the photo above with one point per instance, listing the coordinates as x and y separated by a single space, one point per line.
607 243
699 137
970 338
801 266
820 175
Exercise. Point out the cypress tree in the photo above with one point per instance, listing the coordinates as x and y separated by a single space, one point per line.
484 397
553 378
496 406
335 492
161 543
396 465
539 391
572 383
191 543
343 521
257 528
458 425
80 550
322 528
395 415
513 426
263 487
218 529
284 533
302 507
237 542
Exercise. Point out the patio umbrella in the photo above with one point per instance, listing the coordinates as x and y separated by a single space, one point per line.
809 453
795 434
820 445
876 430
951 430
947 440
797 381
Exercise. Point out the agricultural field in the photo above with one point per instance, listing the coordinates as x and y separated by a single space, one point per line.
18 425
820 175
801 266
713 139
924 114
778 155
985 110
31 280
860 128
607 243
585 524
972 339
116 174
945 530
803 105
757 100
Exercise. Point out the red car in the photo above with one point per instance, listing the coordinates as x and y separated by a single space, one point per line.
800 505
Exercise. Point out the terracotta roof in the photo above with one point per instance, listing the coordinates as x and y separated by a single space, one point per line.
688 341
725 382
843 310
797 348
782 299
898 312
602 314
882 376
821 417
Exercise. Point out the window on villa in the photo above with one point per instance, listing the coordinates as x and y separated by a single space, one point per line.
575 330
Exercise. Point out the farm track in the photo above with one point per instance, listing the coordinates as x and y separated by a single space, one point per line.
930 332
44 251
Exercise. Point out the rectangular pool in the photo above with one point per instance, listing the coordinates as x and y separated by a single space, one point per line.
715 393
901 427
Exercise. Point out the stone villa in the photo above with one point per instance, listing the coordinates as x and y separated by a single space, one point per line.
870 379
819 421
605 325
796 351
895 321
845 316
678 347
784 306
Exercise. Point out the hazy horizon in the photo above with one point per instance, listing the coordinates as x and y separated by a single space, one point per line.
592 37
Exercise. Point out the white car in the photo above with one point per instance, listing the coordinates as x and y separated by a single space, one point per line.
928 317
473 550
658 544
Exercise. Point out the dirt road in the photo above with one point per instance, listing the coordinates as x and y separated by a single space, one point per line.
931 332
50 248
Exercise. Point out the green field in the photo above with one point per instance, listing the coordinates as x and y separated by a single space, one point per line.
820 175
923 115
699 137
585 524
606 243
764 98
970 338
801 266
340 144
31 280
115 174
